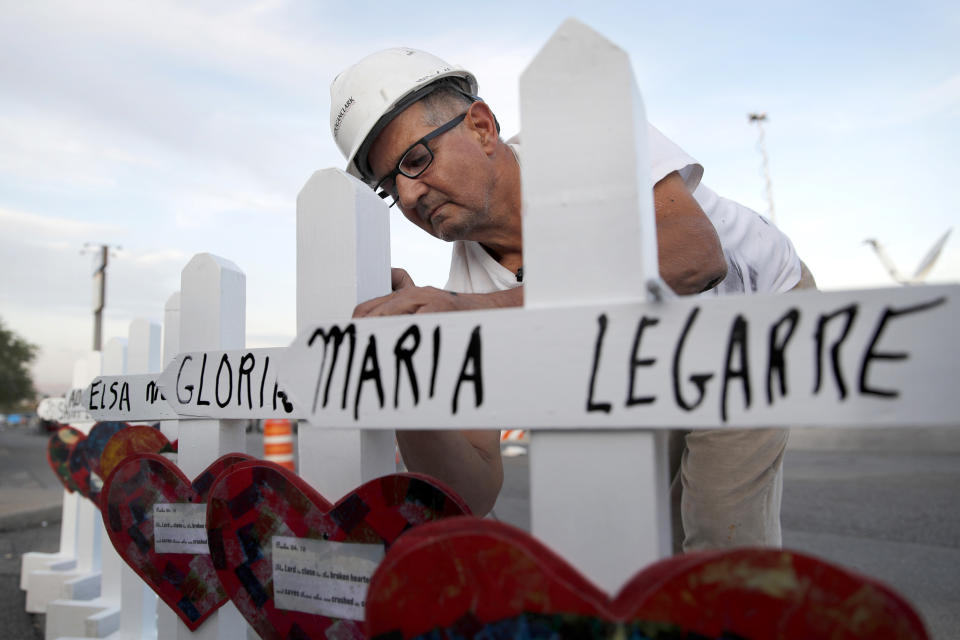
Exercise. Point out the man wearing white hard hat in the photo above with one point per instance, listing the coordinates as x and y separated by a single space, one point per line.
412 127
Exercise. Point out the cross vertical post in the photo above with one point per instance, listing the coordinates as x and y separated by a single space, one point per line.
167 619
171 347
83 605
138 601
343 258
212 316
600 498
45 574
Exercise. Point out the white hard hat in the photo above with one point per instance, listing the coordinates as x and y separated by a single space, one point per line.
364 98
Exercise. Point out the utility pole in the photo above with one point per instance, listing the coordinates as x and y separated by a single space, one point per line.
759 119
101 256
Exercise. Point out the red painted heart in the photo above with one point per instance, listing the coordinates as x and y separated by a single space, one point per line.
133 439
466 577
84 460
141 487
267 529
60 446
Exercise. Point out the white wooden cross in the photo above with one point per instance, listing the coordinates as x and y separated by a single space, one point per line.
138 603
42 575
88 603
212 316
602 358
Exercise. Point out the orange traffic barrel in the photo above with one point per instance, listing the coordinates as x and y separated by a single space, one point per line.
278 442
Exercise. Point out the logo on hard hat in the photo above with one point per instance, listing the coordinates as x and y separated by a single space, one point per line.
343 111
432 74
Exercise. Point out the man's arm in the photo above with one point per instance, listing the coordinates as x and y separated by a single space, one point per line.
688 247
409 298
806 278
689 253
467 461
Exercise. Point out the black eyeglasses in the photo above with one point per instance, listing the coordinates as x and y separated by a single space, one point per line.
414 161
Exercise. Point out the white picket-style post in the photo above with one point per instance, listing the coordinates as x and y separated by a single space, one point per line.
167 619
343 258
138 601
143 346
171 347
89 602
89 525
609 513
212 316
43 575
114 364
106 621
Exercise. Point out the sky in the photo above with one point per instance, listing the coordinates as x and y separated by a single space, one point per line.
169 129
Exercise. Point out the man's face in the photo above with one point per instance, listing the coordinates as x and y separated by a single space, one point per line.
451 199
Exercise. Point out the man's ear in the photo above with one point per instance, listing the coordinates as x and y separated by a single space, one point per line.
483 124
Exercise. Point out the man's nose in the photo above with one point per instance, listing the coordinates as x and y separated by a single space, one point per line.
409 191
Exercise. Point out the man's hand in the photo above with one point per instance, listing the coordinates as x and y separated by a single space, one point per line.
408 298
468 461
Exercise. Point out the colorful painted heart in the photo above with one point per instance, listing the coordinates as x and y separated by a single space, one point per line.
84 460
168 552
466 578
293 563
133 439
60 446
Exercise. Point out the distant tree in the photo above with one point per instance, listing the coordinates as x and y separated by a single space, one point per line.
16 385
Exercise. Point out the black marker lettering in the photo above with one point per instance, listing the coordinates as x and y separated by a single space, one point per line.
889 313
94 393
188 387
699 379
405 355
737 342
476 376
203 369
776 364
436 359
216 390
113 394
850 312
125 396
368 373
247 363
336 335
592 405
640 362
266 367
287 405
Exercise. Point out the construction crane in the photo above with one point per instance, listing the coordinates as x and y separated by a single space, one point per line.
922 270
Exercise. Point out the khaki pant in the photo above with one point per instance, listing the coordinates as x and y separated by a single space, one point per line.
726 486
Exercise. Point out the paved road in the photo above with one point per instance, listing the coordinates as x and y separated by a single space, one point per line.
886 503
30 499
883 502
27 484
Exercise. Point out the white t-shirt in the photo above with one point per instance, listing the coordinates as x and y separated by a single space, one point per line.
760 258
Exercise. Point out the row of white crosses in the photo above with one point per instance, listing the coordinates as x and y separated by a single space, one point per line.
599 363
80 587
